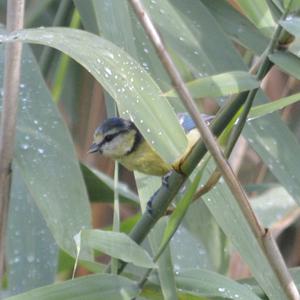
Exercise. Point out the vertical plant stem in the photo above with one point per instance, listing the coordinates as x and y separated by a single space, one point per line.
273 255
64 63
116 220
48 53
13 53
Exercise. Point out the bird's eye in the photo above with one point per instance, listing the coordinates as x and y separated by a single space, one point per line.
109 137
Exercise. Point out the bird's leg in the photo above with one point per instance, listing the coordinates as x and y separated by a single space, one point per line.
149 203
165 182
165 179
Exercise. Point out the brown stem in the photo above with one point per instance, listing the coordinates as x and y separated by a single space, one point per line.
271 250
278 265
13 52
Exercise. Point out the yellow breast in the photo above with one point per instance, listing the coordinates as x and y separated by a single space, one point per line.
144 159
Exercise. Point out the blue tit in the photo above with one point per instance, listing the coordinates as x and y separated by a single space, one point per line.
121 140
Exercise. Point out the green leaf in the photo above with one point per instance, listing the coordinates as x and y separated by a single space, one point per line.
31 252
273 205
295 47
197 25
189 29
94 287
287 62
204 230
220 85
259 14
230 218
237 26
180 211
117 245
295 5
278 148
132 88
251 282
100 186
292 25
45 156
165 264
206 283
267 108
109 19
146 187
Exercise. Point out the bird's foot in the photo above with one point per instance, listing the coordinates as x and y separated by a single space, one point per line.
149 203
165 182
165 179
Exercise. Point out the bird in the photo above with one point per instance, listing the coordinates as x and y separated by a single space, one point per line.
120 139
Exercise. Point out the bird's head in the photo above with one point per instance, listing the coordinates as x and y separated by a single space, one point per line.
115 138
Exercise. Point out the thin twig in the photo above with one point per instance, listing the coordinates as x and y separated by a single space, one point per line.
271 250
191 107
13 52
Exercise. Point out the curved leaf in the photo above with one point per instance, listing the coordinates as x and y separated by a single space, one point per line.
287 62
259 13
94 287
128 83
210 284
118 245
220 85
45 157
33 263
267 108
292 25
273 205
239 28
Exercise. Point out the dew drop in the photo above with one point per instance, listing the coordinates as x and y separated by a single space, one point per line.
108 71
30 258
41 151
16 260
25 146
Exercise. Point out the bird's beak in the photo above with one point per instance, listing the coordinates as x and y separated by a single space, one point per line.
93 148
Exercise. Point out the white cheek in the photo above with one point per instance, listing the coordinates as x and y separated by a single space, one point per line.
115 148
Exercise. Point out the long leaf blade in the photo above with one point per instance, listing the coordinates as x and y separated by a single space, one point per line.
114 244
210 284
94 287
268 108
259 13
220 85
45 157
287 62
134 90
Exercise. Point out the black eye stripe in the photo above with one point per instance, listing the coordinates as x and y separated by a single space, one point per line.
110 137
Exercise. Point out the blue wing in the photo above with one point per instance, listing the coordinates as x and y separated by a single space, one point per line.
187 122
